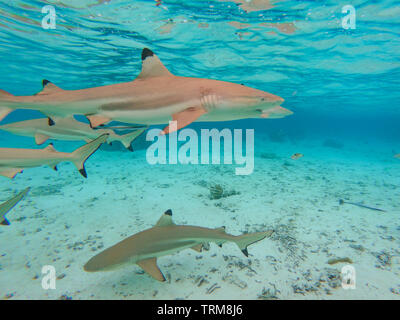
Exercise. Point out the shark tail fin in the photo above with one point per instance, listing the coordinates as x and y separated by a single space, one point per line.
79 156
4 111
245 240
5 222
126 139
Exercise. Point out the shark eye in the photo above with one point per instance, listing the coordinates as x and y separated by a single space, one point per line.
262 99
259 110
242 84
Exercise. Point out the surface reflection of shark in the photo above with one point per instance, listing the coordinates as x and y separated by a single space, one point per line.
163 239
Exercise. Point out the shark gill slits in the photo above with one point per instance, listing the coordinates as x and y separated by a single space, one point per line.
146 53
168 212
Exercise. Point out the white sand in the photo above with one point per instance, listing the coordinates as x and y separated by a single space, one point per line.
66 217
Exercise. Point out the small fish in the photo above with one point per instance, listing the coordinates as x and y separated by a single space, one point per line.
296 156
9 204
397 156
165 238
341 201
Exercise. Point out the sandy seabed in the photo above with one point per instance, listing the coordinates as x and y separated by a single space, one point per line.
66 219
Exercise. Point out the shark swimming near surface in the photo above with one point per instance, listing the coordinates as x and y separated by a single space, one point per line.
165 238
67 129
154 98
9 204
13 161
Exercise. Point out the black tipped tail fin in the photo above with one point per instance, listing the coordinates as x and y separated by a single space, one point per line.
79 156
245 240
5 222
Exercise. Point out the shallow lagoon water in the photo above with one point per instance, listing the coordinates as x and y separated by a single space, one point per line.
342 86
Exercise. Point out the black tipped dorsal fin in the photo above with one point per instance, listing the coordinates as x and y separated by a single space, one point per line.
50 147
49 87
165 220
152 66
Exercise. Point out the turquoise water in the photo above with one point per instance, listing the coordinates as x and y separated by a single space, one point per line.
342 85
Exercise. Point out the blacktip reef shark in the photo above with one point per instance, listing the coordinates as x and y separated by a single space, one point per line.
155 97
9 204
67 129
13 161
165 238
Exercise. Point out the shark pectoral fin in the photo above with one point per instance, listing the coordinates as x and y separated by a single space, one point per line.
184 118
10 173
150 266
198 247
41 138
97 120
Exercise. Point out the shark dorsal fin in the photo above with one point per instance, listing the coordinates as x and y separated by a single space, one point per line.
165 220
221 229
152 66
50 147
49 88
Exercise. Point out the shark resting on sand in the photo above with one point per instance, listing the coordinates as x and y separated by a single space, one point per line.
163 239
155 97
13 161
67 129
9 204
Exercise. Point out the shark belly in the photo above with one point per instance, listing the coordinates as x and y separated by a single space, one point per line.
148 110
29 161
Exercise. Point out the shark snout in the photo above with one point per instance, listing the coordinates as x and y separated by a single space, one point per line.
276 113
272 99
